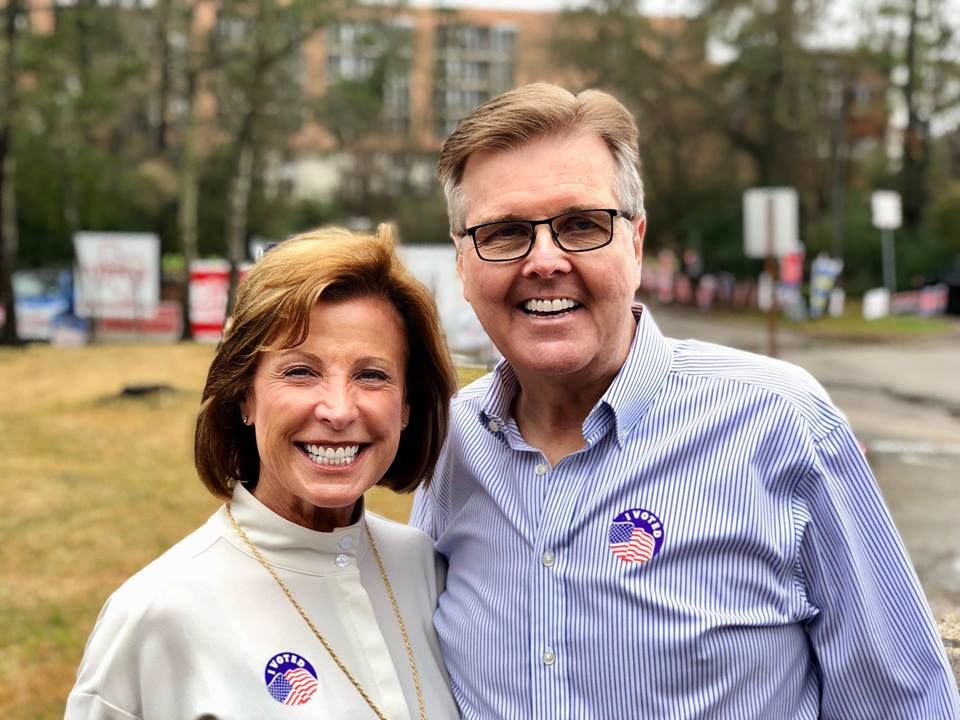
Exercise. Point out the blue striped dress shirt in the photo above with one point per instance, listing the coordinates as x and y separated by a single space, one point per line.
718 549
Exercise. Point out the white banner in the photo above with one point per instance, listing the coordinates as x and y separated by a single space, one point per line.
118 274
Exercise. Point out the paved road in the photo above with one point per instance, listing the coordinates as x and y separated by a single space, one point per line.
903 401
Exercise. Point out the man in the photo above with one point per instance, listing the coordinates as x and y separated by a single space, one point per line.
638 527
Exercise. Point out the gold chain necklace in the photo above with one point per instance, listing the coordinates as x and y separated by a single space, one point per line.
323 641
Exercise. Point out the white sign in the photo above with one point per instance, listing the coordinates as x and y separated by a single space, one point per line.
436 267
118 274
885 207
771 223
876 304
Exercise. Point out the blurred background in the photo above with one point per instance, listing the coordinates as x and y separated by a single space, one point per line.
802 169
217 126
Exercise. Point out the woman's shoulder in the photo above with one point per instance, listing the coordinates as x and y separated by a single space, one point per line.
396 537
176 569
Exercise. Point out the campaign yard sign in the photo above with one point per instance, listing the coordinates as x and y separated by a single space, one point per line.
117 274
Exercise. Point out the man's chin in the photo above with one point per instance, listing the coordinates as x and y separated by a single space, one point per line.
553 363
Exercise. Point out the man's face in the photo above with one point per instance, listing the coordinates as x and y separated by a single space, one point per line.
590 340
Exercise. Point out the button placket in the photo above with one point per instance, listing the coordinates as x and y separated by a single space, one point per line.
548 599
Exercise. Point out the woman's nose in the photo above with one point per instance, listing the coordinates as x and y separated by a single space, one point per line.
336 405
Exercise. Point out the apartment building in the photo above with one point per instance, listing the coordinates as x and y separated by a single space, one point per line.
432 66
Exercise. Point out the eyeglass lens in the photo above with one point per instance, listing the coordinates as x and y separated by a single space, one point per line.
575 232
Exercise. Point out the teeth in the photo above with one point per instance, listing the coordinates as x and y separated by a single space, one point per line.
332 456
549 306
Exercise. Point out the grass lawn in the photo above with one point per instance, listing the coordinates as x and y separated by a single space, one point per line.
94 486
851 327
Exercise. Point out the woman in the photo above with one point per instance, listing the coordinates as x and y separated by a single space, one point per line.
292 601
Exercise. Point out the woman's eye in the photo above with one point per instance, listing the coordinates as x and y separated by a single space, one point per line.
373 375
298 371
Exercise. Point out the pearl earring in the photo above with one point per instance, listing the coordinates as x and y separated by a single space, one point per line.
244 417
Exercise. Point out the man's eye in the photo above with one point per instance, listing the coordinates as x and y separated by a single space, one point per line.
578 224
508 232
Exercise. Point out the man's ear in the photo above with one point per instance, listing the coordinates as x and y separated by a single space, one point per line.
639 227
460 270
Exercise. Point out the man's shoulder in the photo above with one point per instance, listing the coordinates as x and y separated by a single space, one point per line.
470 396
742 369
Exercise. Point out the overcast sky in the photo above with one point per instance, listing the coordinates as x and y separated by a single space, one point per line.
839 28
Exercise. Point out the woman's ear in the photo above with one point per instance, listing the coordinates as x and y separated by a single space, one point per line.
248 408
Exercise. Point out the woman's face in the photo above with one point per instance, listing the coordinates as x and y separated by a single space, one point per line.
328 412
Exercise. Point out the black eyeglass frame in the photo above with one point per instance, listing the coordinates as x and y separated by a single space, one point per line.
472 232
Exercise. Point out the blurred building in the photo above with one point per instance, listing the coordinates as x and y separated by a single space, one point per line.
427 68
365 102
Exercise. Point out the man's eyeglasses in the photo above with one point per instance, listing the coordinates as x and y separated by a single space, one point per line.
578 231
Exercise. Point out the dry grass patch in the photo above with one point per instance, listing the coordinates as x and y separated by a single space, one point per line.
94 487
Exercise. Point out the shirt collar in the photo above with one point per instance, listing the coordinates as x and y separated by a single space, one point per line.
630 395
286 544
642 377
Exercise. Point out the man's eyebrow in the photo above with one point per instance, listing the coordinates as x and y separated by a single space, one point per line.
514 216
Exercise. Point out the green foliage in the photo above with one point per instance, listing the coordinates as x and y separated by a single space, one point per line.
945 217
108 193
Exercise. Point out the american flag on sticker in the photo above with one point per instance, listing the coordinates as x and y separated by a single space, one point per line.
290 679
635 536
294 687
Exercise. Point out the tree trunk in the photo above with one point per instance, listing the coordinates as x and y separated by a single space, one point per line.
914 154
164 12
8 214
238 208
189 172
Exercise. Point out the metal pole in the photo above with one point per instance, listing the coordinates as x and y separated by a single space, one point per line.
889 261
771 269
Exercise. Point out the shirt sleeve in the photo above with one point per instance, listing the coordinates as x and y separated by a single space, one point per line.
877 646
421 515
105 655
425 513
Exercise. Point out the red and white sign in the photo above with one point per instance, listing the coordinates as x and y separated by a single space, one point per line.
209 284
165 325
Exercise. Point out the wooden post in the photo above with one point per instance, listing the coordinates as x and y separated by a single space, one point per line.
771 269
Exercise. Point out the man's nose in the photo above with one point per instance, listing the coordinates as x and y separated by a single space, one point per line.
546 258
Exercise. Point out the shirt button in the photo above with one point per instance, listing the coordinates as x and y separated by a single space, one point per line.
548 657
548 558
494 426
346 542
541 469
341 560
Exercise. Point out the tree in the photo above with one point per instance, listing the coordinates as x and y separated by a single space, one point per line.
8 223
255 58
919 39
706 127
